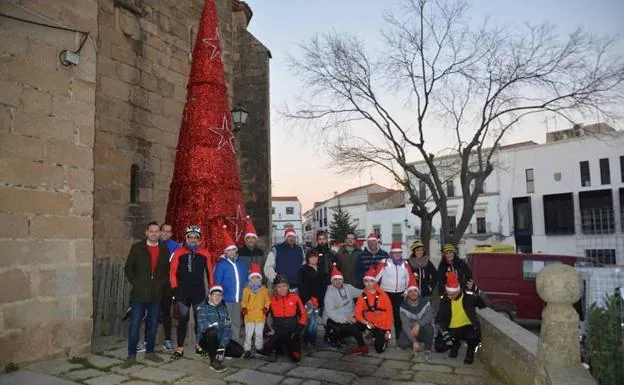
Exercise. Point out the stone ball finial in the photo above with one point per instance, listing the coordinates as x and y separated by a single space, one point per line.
559 283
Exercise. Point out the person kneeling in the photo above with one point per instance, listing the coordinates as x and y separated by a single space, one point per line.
289 320
457 318
373 311
417 321
215 329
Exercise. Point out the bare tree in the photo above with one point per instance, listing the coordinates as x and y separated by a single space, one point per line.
477 83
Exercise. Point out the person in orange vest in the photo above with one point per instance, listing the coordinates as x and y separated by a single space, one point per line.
289 320
373 310
254 307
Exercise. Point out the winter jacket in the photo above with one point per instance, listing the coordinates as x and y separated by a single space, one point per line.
249 256
210 316
327 258
460 267
255 303
470 300
232 276
427 276
421 314
189 270
393 278
347 264
313 283
375 308
172 245
146 286
285 259
339 304
288 312
366 259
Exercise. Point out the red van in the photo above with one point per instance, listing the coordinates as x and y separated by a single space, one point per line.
509 280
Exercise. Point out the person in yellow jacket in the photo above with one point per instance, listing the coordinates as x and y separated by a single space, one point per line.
254 307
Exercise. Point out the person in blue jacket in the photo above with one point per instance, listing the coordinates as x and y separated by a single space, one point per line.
231 273
371 255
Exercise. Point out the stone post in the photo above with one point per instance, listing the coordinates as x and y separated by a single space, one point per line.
559 286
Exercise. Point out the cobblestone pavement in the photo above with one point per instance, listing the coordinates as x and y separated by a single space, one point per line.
393 367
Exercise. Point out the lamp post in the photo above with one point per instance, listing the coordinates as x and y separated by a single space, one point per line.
239 117
407 227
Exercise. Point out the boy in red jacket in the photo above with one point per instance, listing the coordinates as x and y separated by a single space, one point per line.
289 320
373 310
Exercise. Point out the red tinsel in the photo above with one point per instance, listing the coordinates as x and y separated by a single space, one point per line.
206 189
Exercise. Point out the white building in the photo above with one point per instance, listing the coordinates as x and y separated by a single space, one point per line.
286 213
308 228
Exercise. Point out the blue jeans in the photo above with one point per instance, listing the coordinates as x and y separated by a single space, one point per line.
310 330
137 312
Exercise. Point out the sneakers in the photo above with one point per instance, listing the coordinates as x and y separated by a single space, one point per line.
141 347
358 350
201 353
168 345
427 356
247 355
153 357
177 354
131 360
454 351
217 366
332 343
469 356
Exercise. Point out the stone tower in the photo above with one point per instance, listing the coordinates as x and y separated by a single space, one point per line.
86 153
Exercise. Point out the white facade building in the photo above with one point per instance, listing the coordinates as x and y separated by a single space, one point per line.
286 213
308 228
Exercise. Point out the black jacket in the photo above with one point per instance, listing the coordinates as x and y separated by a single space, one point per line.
147 287
427 276
249 256
313 283
327 258
470 301
460 267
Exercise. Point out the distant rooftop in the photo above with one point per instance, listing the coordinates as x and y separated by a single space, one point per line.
579 130
352 190
284 199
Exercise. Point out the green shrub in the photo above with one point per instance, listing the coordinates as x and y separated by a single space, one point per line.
606 347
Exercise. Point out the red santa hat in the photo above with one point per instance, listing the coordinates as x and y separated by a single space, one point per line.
254 270
216 288
290 231
250 230
227 240
336 274
372 237
413 284
452 283
396 247
371 273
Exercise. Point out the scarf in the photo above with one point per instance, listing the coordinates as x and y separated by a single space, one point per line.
254 288
421 262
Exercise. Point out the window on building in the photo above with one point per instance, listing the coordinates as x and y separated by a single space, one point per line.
522 216
134 183
597 216
530 269
622 168
585 176
601 257
377 231
452 224
290 210
622 209
397 232
273 210
530 182
481 226
605 171
422 190
325 216
559 214
450 189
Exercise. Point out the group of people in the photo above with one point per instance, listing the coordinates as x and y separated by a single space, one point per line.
363 294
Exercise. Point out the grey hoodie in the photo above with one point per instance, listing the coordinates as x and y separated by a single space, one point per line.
412 315
339 305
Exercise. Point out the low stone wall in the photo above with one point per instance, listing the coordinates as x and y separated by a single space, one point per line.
510 353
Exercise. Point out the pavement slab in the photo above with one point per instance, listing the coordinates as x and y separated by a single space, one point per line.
254 377
109 379
84 374
327 375
156 374
32 378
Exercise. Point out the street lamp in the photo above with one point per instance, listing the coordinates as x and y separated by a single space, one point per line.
239 117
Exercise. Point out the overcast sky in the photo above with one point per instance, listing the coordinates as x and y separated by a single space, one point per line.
299 166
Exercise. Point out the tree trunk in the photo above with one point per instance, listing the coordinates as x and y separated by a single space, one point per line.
425 232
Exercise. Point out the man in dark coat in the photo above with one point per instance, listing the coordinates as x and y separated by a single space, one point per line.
147 270
371 256
327 258
457 318
346 261
250 252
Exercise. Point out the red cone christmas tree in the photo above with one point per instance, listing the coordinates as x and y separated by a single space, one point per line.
206 189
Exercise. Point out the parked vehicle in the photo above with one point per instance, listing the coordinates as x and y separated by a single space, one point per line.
508 280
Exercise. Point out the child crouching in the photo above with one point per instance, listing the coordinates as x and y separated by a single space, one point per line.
254 307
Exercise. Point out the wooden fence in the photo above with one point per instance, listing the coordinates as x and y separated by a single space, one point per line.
111 292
